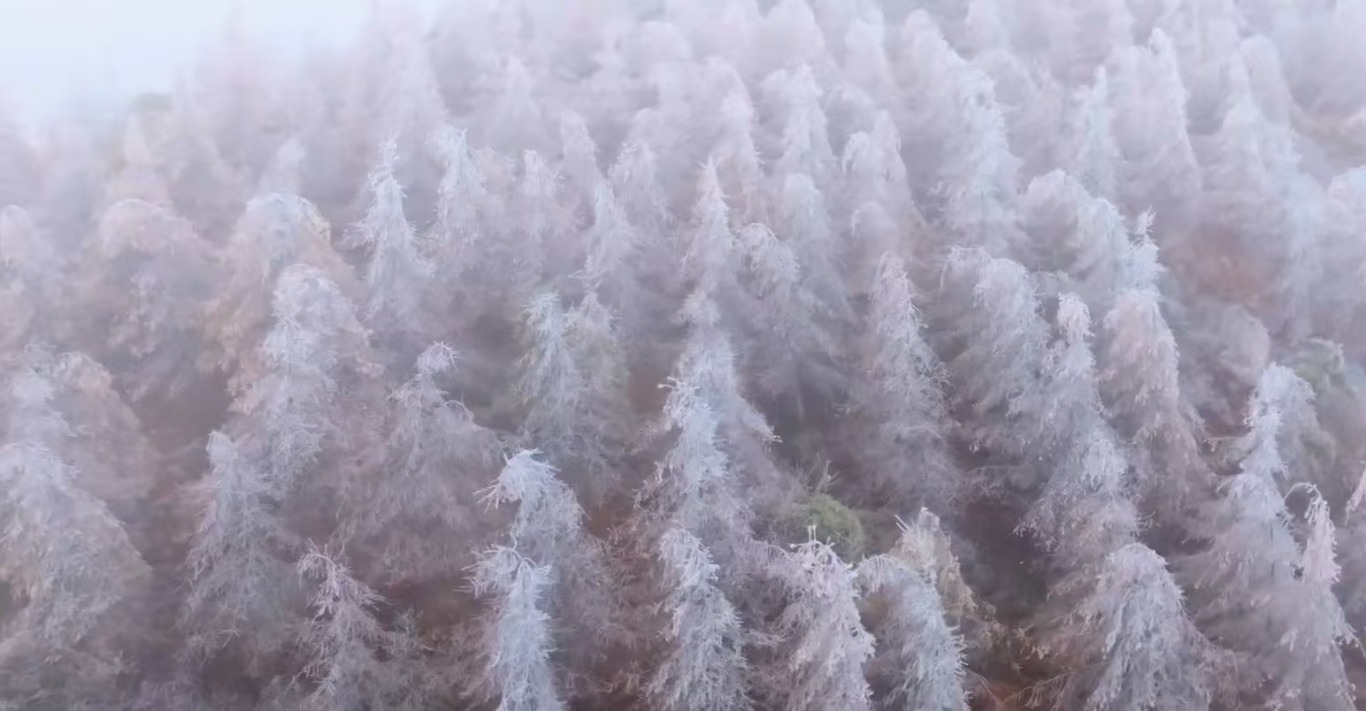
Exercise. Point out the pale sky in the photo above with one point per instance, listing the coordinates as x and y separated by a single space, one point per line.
49 48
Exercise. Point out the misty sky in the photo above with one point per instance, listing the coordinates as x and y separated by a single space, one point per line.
50 48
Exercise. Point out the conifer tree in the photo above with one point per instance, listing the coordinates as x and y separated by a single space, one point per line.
1261 594
900 423
1091 152
549 526
436 456
704 666
961 134
28 258
866 64
157 320
274 232
794 334
461 193
998 345
1081 236
518 672
290 410
1086 33
694 488
284 174
1083 510
240 591
514 120
345 639
828 645
918 661
1141 385
738 159
1133 645
874 172
614 259
707 266
578 159
1148 97
804 139
397 271
571 387
787 37
71 570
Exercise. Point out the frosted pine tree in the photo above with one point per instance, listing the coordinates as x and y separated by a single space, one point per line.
1130 640
344 639
1257 592
462 201
29 263
1085 34
737 156
635 182
828 648
804 223
140 174
289 412
707 260
1141 385
1283 405
804 139
518 671
549 526
1151 656
514 119
1321 630
998 344
1083 237
704 665
636 186
788 37
874 172
1247 166
540 245
285 171
918 661
866 64
693 488
1090 151
28 258
397 272
1267 77
1148 97
709 364
109 447
960 133
1083 511
240 591
152 302
275 231
900 425
571 387
1033 100
578 160
435 457
792 335
72 572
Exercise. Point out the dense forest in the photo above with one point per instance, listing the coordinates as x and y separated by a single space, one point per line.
813 355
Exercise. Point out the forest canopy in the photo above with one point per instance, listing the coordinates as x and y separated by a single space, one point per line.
699 354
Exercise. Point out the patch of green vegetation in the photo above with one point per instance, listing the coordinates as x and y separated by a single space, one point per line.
826 519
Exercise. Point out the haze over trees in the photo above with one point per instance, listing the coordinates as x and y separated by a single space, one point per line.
740 354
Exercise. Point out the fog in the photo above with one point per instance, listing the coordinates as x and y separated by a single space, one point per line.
63 53
800 355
